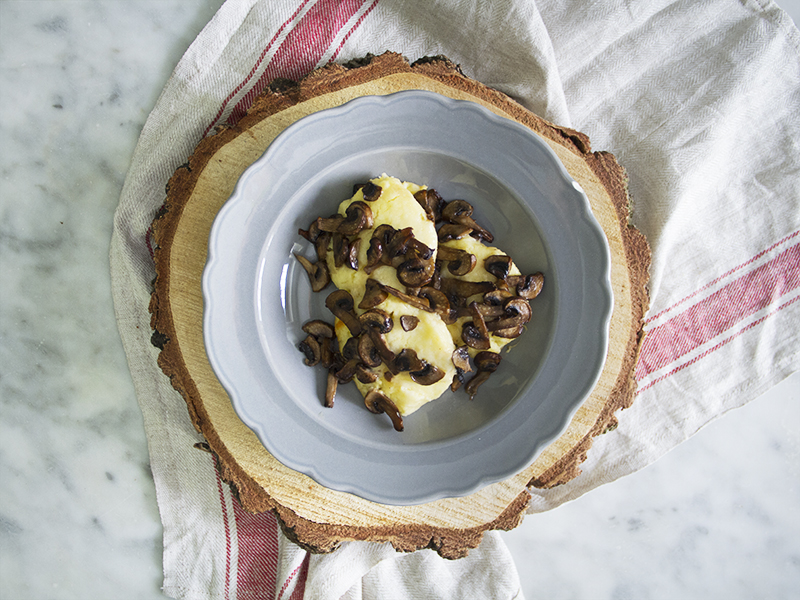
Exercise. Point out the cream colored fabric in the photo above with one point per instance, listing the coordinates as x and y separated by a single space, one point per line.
699 101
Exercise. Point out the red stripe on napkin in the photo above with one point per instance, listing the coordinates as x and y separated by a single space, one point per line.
303 47
719 345
719 312
252 72
257 564
227 530
300 573
352 29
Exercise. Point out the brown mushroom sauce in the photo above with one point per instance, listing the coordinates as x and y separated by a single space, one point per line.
498 307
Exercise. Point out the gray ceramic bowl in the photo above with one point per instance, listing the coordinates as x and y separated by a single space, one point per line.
257 297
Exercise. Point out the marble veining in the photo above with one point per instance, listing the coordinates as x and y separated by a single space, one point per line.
718 517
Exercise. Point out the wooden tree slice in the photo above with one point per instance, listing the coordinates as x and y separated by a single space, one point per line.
316 517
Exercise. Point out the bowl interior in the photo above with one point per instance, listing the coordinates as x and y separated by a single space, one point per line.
285 300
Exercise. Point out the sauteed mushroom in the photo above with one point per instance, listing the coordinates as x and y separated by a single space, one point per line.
432 202
312 350
427 375
358 216
377 402
371 192
527 286
486 362
415 272
460 211
408 322
498 265
374 294
331 385
453 231
340 303
318 273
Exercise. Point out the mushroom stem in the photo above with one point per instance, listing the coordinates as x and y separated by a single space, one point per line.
377 402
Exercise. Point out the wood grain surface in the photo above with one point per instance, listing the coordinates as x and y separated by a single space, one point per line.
315 517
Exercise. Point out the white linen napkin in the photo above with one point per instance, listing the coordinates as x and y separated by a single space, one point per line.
699 101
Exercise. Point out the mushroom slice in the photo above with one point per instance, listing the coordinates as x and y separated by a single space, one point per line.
527 286
415 272
371 191
473 337
432 202
407 360
486 363
409 322
453 231
460 359
399 243
340 303
321 245
358 216
474 333
341 249
465 264
496 297
439 303
374 294
378 402
374 255
312 350
464 289
330 390
460 211
517 313
384 233
318 273
377 322
365 375
352 254
319 329
427 375
498 265
416 302
377 319
312 233
368 351
330 224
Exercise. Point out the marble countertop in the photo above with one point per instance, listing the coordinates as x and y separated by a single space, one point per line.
717 517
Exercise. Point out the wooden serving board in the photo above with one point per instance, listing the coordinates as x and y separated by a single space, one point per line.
316 517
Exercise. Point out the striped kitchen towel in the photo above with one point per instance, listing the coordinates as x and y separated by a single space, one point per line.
699 101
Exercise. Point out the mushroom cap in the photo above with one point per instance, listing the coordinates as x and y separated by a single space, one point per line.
453 231
415 272
455 209
463 264
358 216
407 360
318 274
368 352
529 286
498 265
340 303
431 202
319 329
378 402
374 294
371 192
427 375
409 322
312 350
377 319
460 359
487 361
